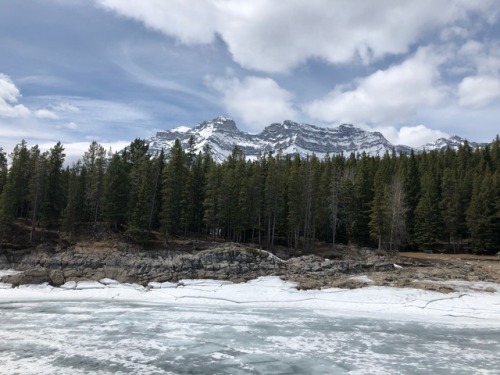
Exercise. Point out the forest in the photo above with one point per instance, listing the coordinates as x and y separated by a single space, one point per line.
445 200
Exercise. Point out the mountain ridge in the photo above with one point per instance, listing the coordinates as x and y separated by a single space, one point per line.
221 135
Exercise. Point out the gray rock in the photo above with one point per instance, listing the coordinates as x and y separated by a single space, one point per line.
36 275
4 262
128 263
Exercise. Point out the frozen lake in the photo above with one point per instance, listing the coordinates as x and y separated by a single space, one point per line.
213 328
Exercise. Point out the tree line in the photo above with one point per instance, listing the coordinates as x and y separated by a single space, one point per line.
437 199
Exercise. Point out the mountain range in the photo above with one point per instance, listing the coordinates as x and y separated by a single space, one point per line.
221 135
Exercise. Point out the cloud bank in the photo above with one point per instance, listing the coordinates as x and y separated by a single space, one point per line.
257 101
277 36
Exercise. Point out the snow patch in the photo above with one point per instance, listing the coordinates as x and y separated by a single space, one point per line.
474 304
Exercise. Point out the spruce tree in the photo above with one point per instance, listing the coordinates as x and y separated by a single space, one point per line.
174 190
3 169
55 194
94 161
428 228
483 215
76 197
116 192
363 197
380 205
37 185
211 204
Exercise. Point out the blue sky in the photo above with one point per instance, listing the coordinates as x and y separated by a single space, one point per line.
115 70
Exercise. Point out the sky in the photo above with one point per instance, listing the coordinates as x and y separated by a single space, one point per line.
75 71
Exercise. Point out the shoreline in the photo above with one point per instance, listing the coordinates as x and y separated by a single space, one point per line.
473 305
348 267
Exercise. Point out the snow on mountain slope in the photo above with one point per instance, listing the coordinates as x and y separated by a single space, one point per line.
221 135
453 142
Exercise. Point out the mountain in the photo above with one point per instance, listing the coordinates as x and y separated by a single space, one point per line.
453 142
221 135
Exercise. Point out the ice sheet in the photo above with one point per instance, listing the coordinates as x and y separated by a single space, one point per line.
471 305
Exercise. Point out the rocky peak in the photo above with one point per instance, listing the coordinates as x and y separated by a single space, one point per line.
292 138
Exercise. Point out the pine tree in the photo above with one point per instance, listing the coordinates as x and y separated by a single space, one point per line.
254 198
211 203
173 191
295 186
3 169
17 187
195 195
274 188
348 206
397 214
76 196
158 164
380 206
141 209
411 187
483 216
94 161
363 197
55 194
116 192
451 207
427 214
15 200
37 186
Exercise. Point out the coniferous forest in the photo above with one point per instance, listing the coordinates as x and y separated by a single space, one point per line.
448 200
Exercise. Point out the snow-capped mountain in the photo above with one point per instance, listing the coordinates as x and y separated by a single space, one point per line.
221 135
453 142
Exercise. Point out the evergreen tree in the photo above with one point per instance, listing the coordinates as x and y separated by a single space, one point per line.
254 198
116 192
483 216
380 206
3 169
295 186
397 214
451 207
76 197
174 189
55 194
212 200
37 185
427 214
274 187
364 196
411 187
17 186
140 213
348 206
195 195
94 161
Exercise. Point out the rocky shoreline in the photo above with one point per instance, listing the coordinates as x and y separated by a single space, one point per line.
55 264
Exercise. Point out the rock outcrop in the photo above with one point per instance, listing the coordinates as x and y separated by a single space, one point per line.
128 263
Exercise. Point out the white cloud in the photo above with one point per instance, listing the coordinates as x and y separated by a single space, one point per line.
390 95
46 114
190 23
64 107
276 36
71 125
256 101
9 95
478 91
483 57
413 136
